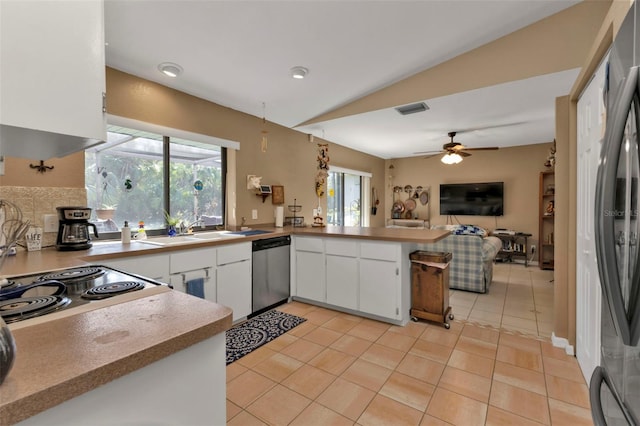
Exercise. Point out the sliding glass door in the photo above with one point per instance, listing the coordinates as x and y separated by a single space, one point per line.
344 203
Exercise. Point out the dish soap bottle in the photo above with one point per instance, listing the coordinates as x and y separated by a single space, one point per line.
142 235
126 233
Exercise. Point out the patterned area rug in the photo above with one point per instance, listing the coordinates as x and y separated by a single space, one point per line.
250 335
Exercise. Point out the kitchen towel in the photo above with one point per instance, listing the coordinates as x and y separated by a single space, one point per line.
195 287
279 216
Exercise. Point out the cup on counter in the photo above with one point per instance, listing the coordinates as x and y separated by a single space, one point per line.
33 237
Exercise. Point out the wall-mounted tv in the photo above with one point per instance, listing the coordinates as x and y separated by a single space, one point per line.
472 199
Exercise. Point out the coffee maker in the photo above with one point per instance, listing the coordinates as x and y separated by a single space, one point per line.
73 229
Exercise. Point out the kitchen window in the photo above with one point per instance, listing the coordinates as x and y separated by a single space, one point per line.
348 201
138 175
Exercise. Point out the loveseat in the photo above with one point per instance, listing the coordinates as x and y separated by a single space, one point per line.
473 253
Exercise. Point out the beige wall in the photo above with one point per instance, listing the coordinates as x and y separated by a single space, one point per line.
517 167
290 159
67 172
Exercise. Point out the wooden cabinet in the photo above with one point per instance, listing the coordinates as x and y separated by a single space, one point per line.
546 212
233 278
430 287
52 66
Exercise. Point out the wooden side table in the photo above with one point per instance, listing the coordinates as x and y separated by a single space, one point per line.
512 246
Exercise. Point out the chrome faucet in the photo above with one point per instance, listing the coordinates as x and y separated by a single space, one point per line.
185 229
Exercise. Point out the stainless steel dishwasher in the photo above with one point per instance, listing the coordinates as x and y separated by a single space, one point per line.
271 273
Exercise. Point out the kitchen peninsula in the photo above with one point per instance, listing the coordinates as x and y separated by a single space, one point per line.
154 358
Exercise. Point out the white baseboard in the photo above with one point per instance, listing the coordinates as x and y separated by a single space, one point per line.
561 342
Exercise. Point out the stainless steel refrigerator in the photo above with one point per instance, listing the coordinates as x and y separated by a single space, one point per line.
615 384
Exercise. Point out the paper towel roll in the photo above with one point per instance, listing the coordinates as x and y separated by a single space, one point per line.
279 216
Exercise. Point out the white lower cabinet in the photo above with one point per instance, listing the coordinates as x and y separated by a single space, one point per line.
189 265
379 288
225 270
153 266
342 272
234 278
365 277
342 281
310 279
380 283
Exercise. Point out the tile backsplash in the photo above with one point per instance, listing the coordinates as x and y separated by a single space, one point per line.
35 202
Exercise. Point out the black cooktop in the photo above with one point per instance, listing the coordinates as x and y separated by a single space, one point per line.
33 295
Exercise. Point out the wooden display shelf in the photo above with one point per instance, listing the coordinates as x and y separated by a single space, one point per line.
546 221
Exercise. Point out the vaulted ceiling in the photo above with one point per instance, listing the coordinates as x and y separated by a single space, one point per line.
488 69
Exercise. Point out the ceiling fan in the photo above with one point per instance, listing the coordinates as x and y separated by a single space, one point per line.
454 151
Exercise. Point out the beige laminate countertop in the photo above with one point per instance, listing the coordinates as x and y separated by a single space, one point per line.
64 358
60 359
51 259
401 235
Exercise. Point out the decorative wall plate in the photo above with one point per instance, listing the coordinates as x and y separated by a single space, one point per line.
410 204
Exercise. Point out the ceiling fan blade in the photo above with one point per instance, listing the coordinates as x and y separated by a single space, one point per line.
488 148
494 126
428 153
464 154
432 155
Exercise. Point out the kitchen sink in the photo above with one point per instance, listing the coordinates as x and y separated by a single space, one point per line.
199 237
170 241
215 235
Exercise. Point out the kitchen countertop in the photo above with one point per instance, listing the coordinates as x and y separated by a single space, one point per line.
73 355
402 235
50 259
77 353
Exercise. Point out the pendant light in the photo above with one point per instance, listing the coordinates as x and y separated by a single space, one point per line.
264 141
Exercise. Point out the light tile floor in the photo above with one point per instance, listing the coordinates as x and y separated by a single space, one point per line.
519 299
339 369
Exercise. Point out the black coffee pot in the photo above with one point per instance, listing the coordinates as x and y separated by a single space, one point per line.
73 229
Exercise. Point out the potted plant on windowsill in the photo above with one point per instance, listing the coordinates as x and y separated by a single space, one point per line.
107 212
172 222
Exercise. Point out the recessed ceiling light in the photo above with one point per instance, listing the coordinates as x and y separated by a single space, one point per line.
299 72
170 69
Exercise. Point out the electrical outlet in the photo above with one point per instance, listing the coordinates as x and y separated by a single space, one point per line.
254 214
533 248
50 223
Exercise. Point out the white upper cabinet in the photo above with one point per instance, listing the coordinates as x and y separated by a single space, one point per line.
52 77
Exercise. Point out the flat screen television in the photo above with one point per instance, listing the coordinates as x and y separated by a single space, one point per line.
472 199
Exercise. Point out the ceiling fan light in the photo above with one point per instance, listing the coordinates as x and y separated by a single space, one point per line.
170 69
451 158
